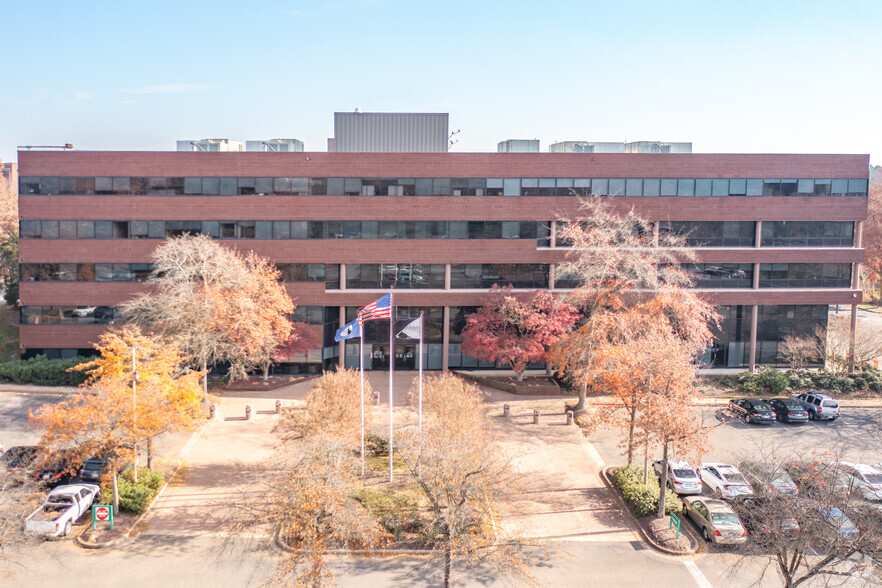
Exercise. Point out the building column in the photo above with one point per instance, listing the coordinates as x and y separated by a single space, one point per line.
758 235
551 276
754 315
656 229
341 346
445 339
851 334
756 272
447 276
856 266
552 235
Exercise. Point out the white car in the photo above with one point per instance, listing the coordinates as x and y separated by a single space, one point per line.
63 506
863 478
682 477
724 480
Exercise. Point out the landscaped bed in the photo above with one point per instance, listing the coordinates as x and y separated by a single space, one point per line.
257 383
529 386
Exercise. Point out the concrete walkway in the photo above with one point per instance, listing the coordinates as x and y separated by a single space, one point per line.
561 495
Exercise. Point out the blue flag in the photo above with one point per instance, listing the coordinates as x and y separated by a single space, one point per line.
348 331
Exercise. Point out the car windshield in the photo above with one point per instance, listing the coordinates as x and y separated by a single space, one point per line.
724 519
792 406
761 406
873 478
685 474
735 478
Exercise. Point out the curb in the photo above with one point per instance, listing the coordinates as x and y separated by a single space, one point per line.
693 541
282 546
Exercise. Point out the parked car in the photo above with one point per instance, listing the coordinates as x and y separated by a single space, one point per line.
752 411
19 457
819 480
716 519
763 517
682 478
838 521
94 469
724 480
766 477
788 410
62 508
54 473
819 405
863 478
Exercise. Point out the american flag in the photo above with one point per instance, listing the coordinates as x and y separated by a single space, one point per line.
381 308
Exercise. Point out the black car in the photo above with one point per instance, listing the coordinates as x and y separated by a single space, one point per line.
752 411
789 410
94 469
53 474
19 457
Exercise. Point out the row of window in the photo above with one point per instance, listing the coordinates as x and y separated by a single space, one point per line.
698 233
463 275
43 315
287 186
87 229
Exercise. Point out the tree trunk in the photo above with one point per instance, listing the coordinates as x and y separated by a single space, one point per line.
663 483
520 375
205 376
448 565
149 453
583 396
633 420
266 368
136 456
645 463
115 490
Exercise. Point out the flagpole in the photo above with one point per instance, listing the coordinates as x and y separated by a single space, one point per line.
421 376
391 371
361 370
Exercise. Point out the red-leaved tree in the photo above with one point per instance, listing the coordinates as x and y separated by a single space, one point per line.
516 330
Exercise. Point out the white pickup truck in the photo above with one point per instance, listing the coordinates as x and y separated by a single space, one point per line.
64 505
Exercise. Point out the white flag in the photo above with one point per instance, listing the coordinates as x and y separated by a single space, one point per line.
411 331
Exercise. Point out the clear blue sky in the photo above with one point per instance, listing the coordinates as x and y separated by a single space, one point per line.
771 76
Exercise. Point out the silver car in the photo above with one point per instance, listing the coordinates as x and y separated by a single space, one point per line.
716 519
682 477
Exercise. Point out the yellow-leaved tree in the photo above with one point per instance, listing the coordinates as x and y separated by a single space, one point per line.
138 388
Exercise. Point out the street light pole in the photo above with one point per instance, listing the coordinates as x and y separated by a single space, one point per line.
135 412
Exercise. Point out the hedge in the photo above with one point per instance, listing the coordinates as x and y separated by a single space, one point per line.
776 382
643 498
134 498
43 372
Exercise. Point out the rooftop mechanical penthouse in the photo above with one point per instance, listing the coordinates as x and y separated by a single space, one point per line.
778 236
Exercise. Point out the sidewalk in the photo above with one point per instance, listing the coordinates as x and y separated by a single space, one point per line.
562 495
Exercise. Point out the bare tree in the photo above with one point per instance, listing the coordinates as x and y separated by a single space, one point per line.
462 477
799 351
216 304
825 531
834 344
19 495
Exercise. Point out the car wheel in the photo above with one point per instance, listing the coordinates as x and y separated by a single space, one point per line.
718 494
747 419
68 526
705 534
811 416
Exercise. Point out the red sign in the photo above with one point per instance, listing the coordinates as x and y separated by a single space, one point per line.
102 513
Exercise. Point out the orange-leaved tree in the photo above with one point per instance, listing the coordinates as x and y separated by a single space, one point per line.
109 416
216 304
516 330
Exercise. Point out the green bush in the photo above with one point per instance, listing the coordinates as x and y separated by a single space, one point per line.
750 383
134 498
43 372
726 381
774 380
643 498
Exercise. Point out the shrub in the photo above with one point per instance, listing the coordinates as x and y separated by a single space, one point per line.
134 498
726 381
774 380
43 372
376 445
750 383
643 498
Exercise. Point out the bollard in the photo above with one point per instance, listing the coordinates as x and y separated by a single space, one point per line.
535 417
278 406
375 398
506 410
569 417
248 412
212 411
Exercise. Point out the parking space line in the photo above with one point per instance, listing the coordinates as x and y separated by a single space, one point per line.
700 579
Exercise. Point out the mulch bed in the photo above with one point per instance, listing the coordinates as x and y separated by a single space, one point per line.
529 386
658 529
122 524
257 383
